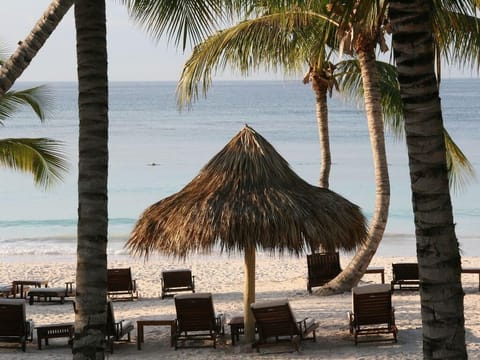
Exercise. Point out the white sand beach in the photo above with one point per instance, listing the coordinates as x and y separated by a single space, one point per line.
222 275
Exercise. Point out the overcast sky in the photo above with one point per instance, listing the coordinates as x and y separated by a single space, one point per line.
132 54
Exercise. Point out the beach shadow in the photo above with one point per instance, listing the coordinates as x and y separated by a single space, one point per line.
471 338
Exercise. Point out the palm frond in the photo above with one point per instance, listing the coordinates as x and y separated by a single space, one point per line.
273 41
460 170
186 21
41 157
39 99
457 32
352 87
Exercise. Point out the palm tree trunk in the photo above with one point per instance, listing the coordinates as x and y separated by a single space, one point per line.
28 48
439 261
354 271
321 108
91 277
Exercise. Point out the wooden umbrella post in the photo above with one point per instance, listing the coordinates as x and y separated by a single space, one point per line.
249 293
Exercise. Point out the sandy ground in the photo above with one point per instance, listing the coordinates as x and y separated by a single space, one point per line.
222 275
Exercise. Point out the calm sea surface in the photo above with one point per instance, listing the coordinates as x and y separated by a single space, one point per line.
146 128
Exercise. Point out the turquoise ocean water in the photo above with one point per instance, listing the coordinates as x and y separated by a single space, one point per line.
146 128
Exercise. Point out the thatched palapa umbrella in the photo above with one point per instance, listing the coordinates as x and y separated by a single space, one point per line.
247 197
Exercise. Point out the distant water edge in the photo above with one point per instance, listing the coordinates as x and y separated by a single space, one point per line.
147 128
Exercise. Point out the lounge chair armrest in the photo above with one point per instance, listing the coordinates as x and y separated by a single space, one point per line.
306 324
220 318
351 320
302 324
29 326
68 287
134 284
119 328
220 323
193 281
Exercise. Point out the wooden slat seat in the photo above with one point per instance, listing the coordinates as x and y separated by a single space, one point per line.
14 327
276 320
51 293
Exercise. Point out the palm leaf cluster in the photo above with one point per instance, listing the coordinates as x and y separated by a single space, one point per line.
247 196
180 21
38 98
287 36
460 170
42 157
275 41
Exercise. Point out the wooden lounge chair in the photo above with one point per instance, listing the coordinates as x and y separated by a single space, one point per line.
7 290
275 319
121 285
372 312
116 329
12 290
14 327
174 281
51 294
322 267
405 276
197 321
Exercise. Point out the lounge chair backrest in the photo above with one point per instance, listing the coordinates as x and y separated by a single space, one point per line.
195 312
119 279
372 312
177 278
12 317
405 271
275 318
322 267
372 304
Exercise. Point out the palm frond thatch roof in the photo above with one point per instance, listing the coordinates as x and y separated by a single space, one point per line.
247 196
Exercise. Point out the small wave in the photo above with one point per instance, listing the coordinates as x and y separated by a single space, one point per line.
37 223
58 222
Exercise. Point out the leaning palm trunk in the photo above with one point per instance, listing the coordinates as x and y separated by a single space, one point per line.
321 107
91 278
354 271
28 48
438 255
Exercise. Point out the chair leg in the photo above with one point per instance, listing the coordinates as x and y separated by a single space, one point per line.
110 343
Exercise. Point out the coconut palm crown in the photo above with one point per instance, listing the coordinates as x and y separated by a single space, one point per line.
247 196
